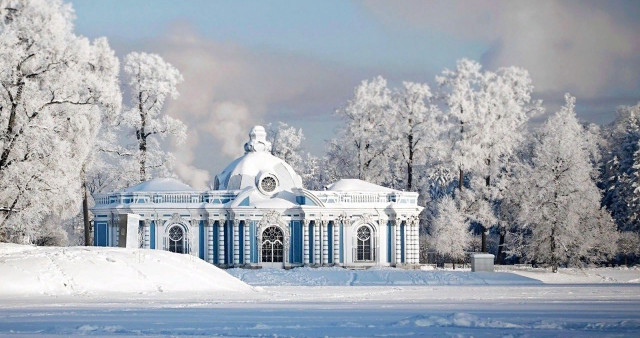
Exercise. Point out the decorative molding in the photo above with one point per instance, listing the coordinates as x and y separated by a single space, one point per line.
176 218
273 218
413 220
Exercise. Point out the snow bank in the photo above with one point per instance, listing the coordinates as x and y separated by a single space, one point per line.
337 276
577 275
29 270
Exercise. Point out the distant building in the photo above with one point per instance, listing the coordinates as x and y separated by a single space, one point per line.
260 215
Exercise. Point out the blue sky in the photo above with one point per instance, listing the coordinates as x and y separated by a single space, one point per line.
255 62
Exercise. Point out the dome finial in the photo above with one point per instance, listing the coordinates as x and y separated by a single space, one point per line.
257 140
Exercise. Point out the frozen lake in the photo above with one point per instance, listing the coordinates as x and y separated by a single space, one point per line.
566 310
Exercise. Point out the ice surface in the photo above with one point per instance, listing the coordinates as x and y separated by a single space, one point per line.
375 276
357 311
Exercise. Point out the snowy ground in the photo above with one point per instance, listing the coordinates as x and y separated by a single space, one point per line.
577 275
382 302
32 271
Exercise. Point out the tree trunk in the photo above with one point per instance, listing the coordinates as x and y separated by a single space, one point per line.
552 248
501 247
142 140
410 163
484 239
461 179
9 142
487 182
85 215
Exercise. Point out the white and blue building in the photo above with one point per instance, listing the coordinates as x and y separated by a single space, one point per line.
260 215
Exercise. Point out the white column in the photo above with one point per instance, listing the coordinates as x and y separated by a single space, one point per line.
410 242
416 243
147 234
221 253
247 244
210 241
336 242
316 242
398 258
305 241
325 243
236 241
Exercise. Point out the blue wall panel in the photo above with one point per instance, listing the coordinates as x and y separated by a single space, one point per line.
201 241
341 243
241 240
253 242
152 235
402 242
389 240
295 246
311 248
330 241
101 234
216 231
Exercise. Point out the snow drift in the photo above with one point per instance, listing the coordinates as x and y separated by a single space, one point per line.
30 270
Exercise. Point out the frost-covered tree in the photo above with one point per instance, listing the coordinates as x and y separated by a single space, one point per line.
151 81
450 234
486 119
57 88
621 168
461 91
359 149
413 129
286 143
559 200
628 245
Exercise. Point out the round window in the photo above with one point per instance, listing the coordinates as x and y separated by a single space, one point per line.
175 233
364 233
268 184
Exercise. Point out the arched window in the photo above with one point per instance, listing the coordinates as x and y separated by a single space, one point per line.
176 239
272 247
363 252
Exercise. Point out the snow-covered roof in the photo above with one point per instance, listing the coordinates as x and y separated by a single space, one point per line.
257 161
353 184
160 184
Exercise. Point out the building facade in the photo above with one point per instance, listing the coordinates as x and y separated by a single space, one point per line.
260 215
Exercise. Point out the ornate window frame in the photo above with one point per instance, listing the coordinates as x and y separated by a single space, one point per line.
373 229
177 220
273 218
268 176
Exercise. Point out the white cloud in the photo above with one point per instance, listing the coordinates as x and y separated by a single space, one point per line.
195 177
565 45
227 89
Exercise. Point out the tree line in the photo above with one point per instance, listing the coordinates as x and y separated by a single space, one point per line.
563 194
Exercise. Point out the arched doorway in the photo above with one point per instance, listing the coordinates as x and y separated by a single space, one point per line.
272 245
363 245
176 239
